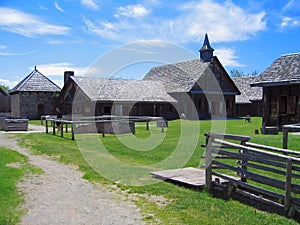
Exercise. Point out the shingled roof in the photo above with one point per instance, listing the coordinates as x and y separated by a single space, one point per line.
104 89
178 77
248 93
284 71
36 81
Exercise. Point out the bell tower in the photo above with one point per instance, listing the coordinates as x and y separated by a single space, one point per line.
206 51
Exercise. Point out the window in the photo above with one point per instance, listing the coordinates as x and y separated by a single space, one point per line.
107 110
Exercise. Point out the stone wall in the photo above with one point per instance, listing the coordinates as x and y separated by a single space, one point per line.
34 104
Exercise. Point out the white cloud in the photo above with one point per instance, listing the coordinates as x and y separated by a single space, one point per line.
223 22
133 11
91 4
227 57
5 52
8 83
289 22
58 69
27 24
58 7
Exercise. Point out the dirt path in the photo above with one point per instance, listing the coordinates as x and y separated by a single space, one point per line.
61 196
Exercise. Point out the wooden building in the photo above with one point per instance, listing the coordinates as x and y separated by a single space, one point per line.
4 102
202 87
281 91
249 102
199 88
89 96
34 96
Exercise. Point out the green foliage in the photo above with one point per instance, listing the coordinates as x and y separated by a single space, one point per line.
237 73
181 205
13 166
4 88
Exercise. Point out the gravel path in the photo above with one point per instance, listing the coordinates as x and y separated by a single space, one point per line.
61 196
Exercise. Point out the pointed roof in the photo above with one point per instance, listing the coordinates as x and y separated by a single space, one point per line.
36 81
178 77
206 45
284 71
182 76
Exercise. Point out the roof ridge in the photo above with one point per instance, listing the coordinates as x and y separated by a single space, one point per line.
295 53
23 82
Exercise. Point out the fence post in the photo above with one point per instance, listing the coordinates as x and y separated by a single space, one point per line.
285 134
46 126
62 129
288 185
208 161
73 130
244 163
53 127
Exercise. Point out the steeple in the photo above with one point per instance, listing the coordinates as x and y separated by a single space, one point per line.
206 52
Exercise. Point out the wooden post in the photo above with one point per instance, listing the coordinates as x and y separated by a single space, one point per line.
288 185
147 125
244 163
66 127
285 137
73 130
53 127
133 131
103 129
46 126
62 129
208 162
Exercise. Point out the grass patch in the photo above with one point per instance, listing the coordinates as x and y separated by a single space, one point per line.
13 166
184 206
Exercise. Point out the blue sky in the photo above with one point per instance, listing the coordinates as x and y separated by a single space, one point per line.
59 35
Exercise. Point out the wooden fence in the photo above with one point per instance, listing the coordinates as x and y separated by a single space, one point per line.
285 132
267 174
99 124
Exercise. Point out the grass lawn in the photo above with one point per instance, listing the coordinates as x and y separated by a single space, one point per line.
13 166
125 157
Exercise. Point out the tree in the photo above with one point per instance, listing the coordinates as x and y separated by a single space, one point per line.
4 88
236 73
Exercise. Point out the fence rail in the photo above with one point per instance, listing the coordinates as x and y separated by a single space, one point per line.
268 174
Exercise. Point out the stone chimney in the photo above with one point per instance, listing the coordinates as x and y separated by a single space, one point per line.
68 74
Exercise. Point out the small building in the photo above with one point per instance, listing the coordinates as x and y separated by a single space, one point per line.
281 95
34 96
202 87
4 102
90 96
249 102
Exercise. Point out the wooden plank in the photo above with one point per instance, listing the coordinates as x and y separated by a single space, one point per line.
208 163
254 177
188 176
250 186
288 185
251 158
269 169
228 136
280 150
257 150
259 198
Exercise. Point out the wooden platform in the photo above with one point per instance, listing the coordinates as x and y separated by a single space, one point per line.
191 177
